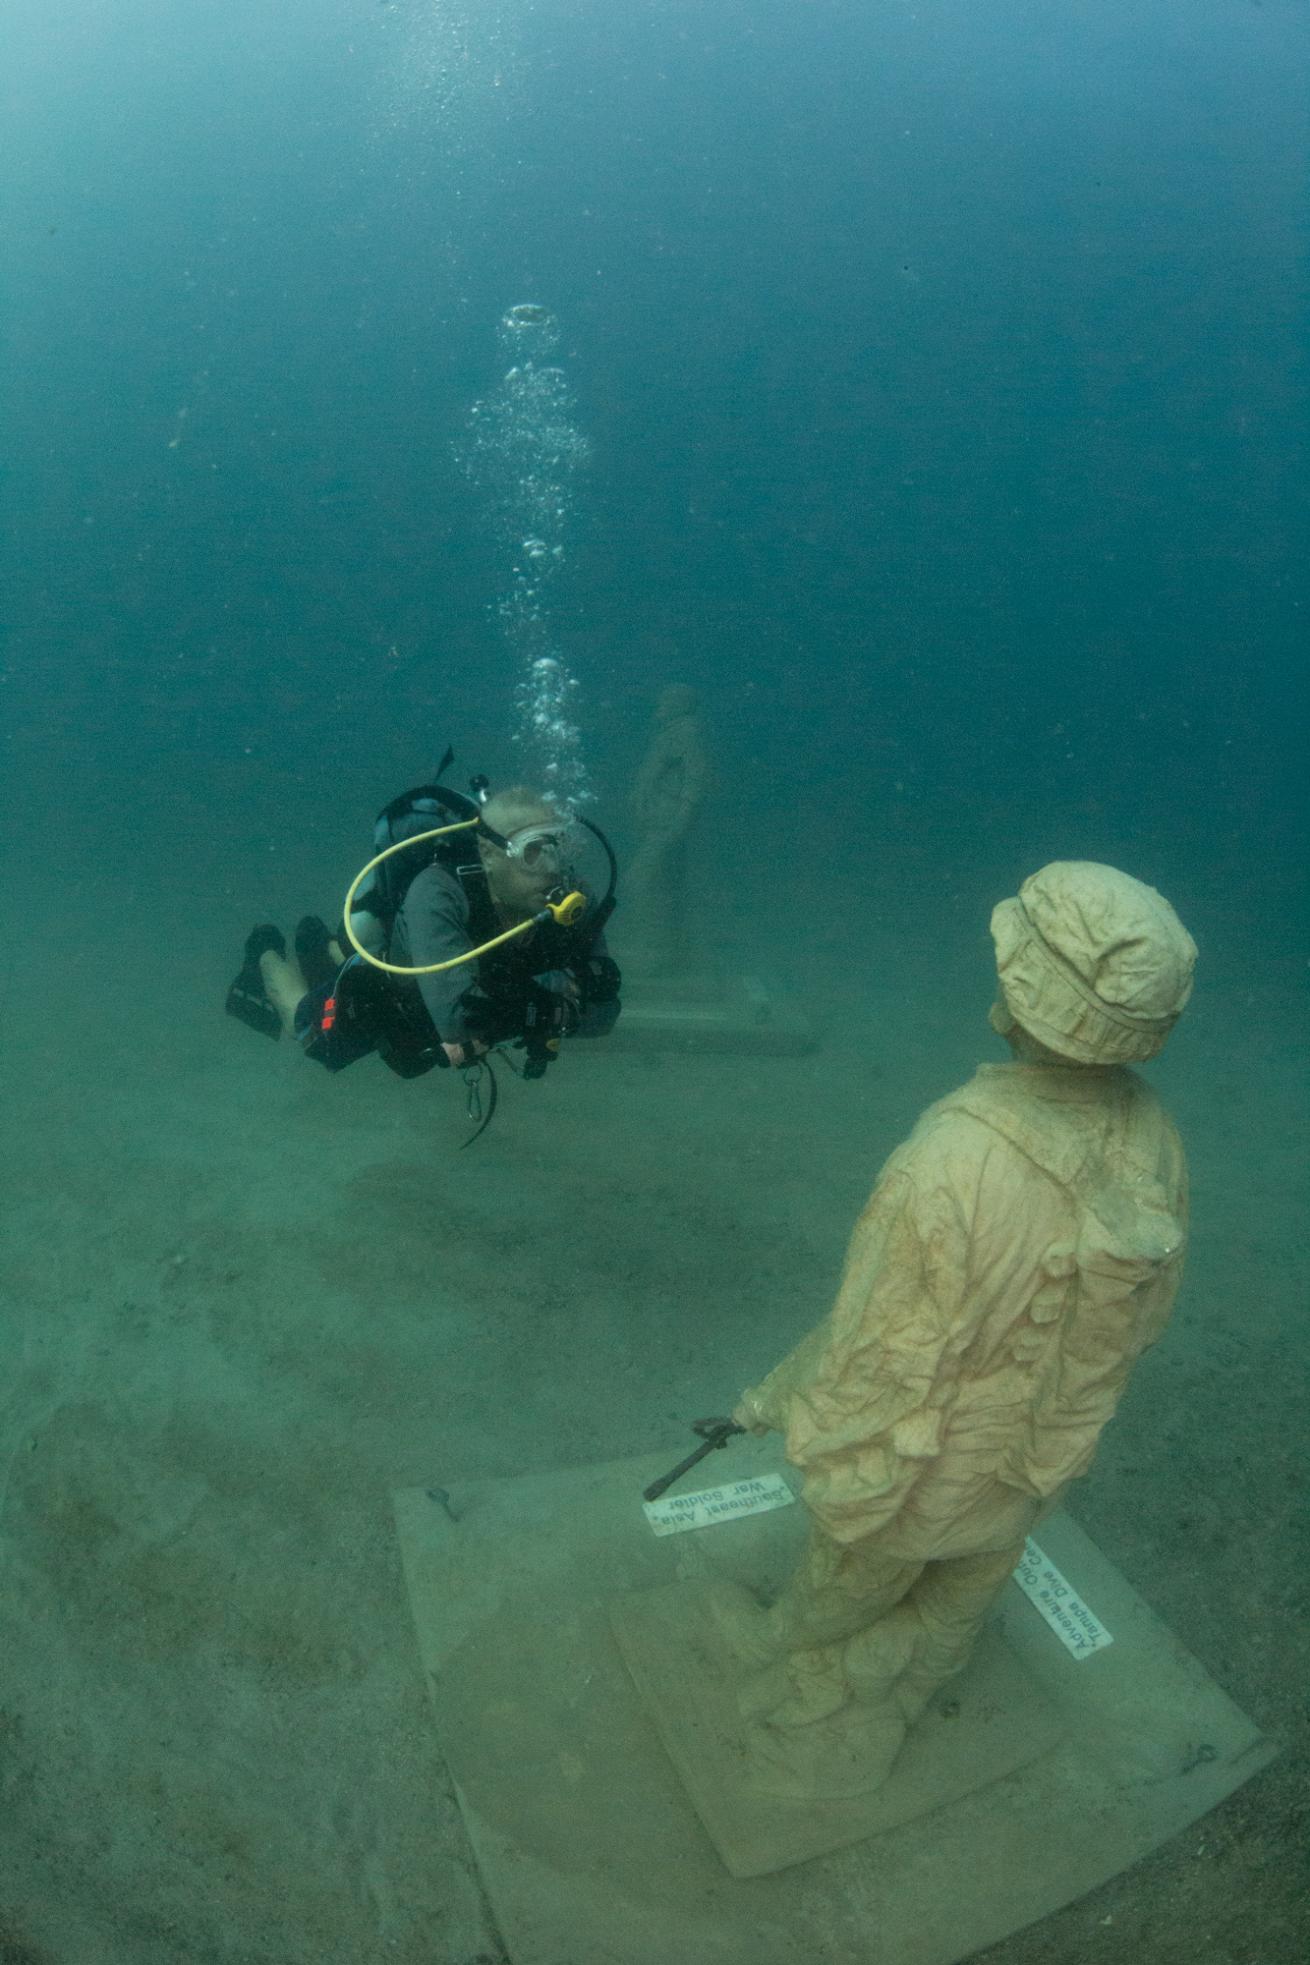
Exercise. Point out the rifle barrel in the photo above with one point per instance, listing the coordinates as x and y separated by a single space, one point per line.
719 1437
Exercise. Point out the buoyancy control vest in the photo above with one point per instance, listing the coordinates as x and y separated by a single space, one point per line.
509 1000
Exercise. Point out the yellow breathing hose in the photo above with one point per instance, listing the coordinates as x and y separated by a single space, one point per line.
565 912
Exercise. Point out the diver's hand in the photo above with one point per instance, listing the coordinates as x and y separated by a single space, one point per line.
461 1054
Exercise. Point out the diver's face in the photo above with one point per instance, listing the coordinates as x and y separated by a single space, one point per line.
520 881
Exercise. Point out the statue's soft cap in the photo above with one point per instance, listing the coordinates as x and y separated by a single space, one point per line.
1092 963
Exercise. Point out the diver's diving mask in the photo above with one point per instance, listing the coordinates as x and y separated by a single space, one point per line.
535 847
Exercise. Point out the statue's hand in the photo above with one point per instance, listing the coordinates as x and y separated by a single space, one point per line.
745 1417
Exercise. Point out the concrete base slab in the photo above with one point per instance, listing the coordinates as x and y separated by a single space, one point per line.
736 1014
590 1849
988 1723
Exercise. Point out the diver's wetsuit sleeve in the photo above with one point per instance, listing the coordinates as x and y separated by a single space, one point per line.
433 925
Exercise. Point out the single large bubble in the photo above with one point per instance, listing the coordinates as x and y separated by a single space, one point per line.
529 331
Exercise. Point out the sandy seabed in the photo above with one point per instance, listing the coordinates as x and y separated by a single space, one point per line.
243 1302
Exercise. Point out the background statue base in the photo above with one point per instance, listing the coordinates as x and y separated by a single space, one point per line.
742 1015
586 1841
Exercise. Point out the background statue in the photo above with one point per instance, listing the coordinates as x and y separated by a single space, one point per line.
671 785
1018 1254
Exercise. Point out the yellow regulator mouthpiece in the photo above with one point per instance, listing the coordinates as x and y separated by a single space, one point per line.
569 910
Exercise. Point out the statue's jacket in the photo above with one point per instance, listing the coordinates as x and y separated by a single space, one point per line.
1018 1254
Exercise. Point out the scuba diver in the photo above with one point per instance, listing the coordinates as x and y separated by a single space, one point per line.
465 934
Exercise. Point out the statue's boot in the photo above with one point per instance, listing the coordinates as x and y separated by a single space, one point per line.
950 1601
838 1730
